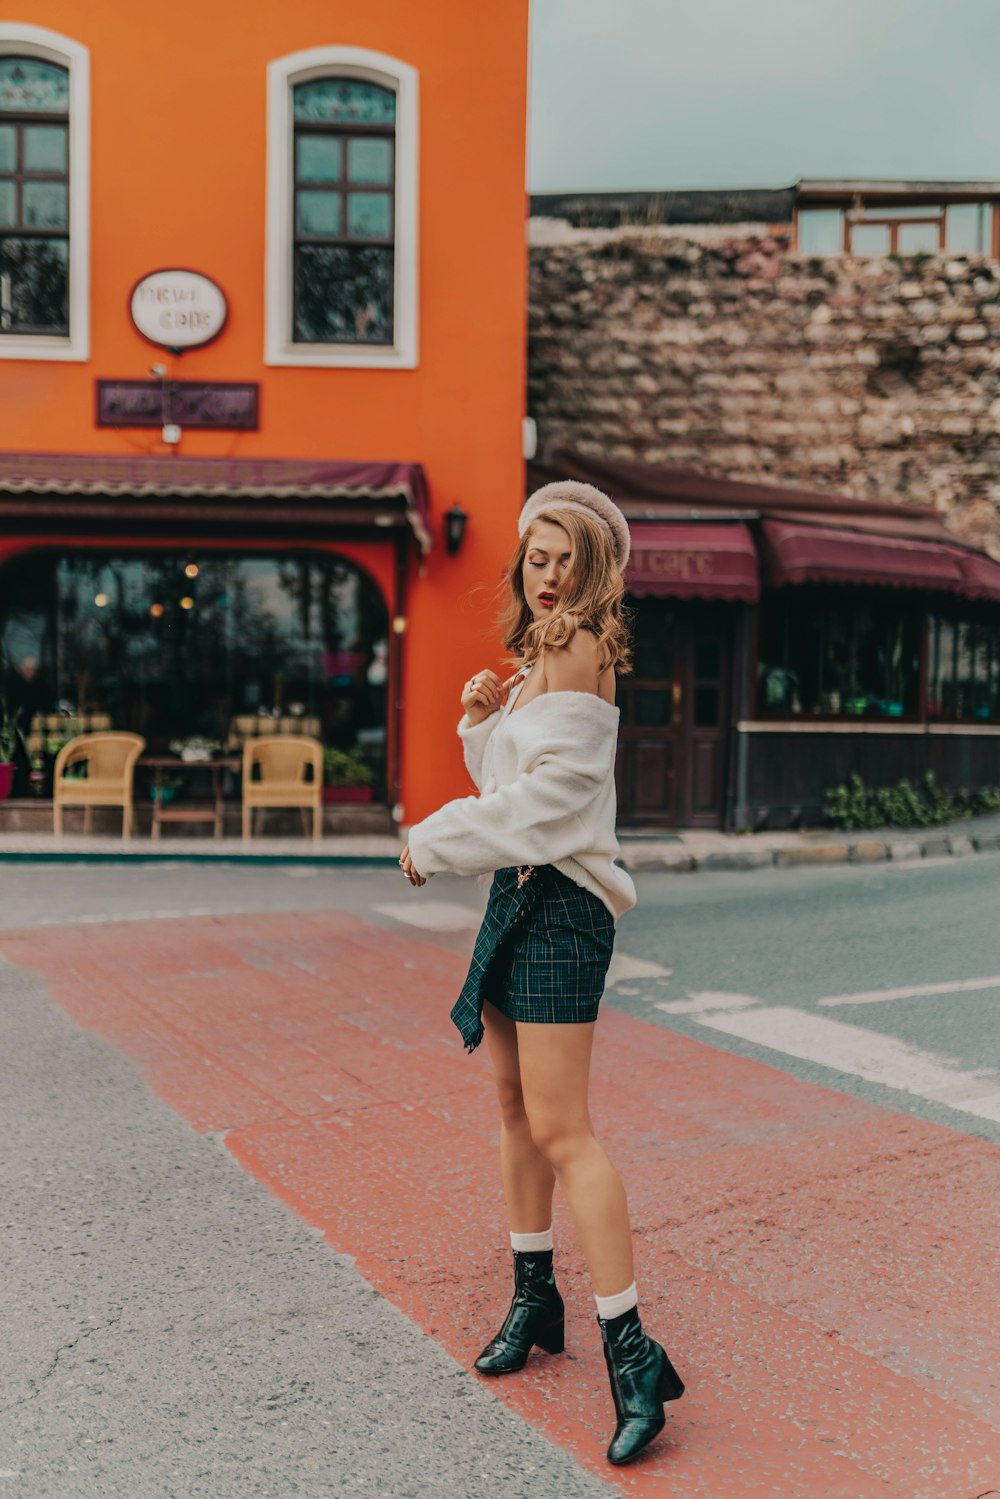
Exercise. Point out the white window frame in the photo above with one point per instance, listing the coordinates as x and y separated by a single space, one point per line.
50 46
282 76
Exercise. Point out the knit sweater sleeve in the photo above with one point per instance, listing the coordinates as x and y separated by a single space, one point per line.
474 739
565 755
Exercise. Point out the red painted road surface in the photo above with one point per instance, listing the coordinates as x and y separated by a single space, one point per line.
816 1266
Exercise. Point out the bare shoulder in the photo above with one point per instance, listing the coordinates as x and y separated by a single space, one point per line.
575 667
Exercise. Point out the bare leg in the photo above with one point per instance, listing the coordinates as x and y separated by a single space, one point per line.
554 1070
528 1179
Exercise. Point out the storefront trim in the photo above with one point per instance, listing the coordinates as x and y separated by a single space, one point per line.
786 726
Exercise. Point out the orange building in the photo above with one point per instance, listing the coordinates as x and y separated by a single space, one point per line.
262 310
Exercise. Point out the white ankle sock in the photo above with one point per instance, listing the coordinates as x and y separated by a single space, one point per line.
527 1243
613 1306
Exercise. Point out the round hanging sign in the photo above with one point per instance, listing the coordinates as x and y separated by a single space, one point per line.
178 309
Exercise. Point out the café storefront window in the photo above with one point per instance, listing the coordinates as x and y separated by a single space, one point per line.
963 670
838 653
178 644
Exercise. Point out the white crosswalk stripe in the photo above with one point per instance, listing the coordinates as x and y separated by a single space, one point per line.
849 1048
432 915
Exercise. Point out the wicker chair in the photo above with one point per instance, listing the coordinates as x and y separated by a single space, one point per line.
110 762
283 760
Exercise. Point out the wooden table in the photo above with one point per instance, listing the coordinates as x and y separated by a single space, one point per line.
191 812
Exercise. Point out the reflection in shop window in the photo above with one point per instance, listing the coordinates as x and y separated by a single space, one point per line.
832 653
963 670
173 645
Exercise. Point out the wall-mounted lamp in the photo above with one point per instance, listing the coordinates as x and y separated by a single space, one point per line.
455 521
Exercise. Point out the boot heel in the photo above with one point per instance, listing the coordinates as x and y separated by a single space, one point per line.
671 1386
553 1339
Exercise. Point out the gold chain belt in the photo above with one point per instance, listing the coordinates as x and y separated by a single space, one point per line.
524 873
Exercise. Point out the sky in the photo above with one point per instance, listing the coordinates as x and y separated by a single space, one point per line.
647 94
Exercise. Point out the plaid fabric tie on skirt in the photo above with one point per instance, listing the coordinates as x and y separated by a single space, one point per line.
541 955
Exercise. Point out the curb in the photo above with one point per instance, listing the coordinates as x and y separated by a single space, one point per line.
860 851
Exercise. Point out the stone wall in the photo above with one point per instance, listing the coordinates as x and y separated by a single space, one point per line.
866 377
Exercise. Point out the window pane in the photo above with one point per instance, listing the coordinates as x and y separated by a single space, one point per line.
651 710
915 238
821 231
29 85
869 239
318 158
903 211
45 148
317 213
45 205
706 707
8 205
343 294
33 285
369 215
967 229
707 660
344 101
369 159
8 148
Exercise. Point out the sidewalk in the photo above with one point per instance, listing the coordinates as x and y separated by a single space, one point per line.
683 852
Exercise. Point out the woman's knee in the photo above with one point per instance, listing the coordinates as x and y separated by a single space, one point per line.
560 1142
511 1101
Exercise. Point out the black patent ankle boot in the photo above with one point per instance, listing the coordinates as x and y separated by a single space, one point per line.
642 1379
536 1317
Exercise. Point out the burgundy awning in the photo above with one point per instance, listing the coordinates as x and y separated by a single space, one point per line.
213 488
982 575
693 561
820 554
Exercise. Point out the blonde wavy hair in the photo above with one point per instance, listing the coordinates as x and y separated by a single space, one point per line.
590 596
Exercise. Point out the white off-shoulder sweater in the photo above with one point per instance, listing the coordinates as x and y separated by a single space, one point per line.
547 796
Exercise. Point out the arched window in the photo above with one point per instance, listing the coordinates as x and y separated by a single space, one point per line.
342 232
43 195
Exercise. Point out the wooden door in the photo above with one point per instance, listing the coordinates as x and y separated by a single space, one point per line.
649 738
675 715
707 648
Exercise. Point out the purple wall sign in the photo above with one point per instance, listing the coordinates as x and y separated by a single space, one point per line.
188 403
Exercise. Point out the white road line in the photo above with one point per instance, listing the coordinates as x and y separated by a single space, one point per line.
863 1053
874 996
707 1000
432 915
623 968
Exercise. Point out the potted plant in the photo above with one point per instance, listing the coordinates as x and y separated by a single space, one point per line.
166 790
10 737
347 775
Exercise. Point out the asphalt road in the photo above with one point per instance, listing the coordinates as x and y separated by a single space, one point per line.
171 1329
785 938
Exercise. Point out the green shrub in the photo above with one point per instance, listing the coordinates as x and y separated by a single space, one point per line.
346 767
857 806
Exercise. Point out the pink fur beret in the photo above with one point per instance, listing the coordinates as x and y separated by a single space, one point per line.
571 494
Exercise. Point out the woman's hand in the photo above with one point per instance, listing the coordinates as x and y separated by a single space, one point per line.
406 865
481 696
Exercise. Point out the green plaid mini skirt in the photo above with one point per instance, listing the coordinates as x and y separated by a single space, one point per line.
541 955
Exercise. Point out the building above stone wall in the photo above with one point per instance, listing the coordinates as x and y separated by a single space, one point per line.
872 377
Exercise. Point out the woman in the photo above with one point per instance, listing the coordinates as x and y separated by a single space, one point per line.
541 748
